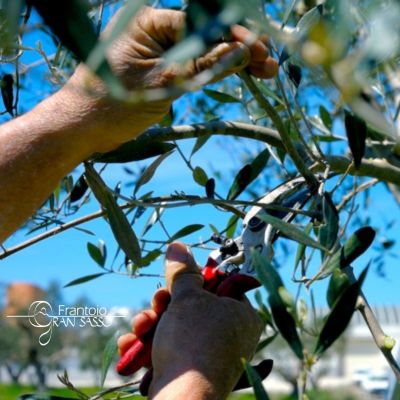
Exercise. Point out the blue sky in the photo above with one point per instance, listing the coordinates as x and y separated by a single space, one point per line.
64 257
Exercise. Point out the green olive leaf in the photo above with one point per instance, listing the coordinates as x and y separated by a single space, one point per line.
187 230
79 189
264 88
150 257
7 93
354 246
356 131
134 150
153 219
338 282
122 230
286 325
214 229
109 353
200 142
255 381
248 174
284 320
301 248
231 226
291 231
84 279
150 171
340 315
325 117
328 232
220 96
265 342
309 19
98 253
266 273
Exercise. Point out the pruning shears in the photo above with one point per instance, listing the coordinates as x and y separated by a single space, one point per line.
229 270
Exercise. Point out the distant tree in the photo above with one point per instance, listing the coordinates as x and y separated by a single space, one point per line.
20 348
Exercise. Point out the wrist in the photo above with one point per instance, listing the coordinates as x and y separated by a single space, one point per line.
104 122
200 379
190 384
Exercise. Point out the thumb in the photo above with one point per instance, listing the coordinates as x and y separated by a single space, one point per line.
181 271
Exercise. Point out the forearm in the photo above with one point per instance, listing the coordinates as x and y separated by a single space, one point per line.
36 151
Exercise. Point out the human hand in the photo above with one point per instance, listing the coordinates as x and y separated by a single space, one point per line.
200 338
136 58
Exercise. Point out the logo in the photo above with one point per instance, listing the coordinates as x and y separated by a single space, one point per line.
41 315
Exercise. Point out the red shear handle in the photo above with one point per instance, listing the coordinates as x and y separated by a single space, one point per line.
237 285
139 354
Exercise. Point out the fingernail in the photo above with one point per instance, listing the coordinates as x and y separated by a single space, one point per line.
177 252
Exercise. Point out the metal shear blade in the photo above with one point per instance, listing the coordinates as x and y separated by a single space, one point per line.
257 234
